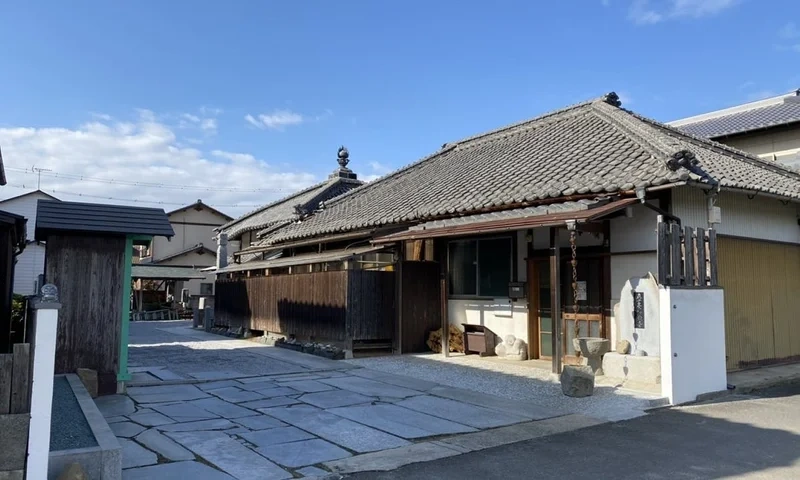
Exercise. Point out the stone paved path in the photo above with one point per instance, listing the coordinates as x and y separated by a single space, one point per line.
203 406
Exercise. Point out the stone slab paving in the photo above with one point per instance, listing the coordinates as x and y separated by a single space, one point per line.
274 436
259 422
303 453
134 455
217 375
335 398
273 391
221 408
472 415
339 430
118 419
373 388
186 412
259 385
218 384
165 393
235 395
163 446
306 386
126 429
270 402
216 424
176 471
230 456
400 421
149 418
312 472
115 405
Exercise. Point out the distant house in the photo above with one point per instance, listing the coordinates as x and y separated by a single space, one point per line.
245 233
192 246
30 263
769 128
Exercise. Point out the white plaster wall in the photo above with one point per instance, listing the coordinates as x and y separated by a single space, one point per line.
636 233
760 217
499 315
692 342
25 206
644 341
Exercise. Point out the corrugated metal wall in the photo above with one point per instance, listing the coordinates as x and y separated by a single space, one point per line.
762 301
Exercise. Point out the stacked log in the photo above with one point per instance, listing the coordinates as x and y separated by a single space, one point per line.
456 342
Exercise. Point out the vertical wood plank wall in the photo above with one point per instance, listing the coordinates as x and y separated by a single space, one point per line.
88 272
421 304
762 301
319 305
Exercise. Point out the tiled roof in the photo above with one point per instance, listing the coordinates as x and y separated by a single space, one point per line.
282 211
772 112
163 272
74 217
592 148
198 248
199 205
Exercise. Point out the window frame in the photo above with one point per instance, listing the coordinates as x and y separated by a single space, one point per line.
512 240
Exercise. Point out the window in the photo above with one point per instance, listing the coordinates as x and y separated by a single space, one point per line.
480 267
206 289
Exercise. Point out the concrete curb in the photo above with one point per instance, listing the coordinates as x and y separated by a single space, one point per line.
103 462
386 460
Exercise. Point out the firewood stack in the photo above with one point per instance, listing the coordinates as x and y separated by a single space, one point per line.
456 340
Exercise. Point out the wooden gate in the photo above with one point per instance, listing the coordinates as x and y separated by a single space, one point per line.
420 304
762 301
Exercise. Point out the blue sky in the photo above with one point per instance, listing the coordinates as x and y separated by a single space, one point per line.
259 94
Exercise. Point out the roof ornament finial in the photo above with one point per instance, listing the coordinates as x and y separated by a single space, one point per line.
612 99
343 156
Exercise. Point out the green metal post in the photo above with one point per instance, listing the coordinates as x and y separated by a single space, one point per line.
123 375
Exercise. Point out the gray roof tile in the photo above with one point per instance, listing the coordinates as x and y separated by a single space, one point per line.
590 148
54 216
281 212
782 113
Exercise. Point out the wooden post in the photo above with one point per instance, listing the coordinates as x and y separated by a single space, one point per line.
399 296
6 366
445 319
555 296
675 257
21 379
712 255
662 250
688 255
702 273
127 259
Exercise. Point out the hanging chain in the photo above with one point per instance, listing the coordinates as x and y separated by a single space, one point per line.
574 248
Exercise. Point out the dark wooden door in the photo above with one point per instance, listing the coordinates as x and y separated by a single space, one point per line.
420 307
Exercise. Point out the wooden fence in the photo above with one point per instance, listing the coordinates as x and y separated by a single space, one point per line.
15 380
686 256
342 306
421 307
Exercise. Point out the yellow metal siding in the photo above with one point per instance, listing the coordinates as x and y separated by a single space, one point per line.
762 301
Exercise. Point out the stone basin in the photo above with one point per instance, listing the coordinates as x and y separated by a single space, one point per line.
592 349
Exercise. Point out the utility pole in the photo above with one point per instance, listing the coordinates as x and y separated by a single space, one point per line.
39 171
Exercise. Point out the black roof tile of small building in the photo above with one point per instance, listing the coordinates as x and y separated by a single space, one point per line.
594 148
95 218
776 112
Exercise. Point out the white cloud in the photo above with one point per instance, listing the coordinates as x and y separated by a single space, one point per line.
142 150
205 122
643 12
377 170
625 98
277 120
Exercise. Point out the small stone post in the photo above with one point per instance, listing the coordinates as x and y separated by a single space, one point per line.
222 250
208 318
45 323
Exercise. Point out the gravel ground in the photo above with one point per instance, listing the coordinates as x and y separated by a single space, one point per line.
68 427
513 381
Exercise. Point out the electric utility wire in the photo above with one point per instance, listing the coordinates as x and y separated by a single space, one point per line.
135 183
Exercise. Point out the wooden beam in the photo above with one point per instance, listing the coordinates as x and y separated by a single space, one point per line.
21 379
127 258
675 257
662 251
6 363
555 296
712 256
702 273
688 255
